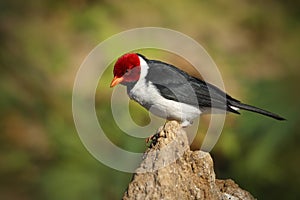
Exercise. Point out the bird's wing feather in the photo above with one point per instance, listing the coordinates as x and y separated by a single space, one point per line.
177 85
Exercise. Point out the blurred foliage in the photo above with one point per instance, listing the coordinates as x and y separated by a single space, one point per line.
255 44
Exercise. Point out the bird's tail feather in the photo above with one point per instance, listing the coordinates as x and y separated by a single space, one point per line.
236 104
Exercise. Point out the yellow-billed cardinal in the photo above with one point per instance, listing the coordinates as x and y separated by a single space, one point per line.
171 93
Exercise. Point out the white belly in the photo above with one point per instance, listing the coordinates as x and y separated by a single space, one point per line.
151 99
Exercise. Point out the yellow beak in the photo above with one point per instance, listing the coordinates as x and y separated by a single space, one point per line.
116 81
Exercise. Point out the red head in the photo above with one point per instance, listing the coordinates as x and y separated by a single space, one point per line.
127 69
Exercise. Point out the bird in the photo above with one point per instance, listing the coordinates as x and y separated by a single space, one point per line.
171 93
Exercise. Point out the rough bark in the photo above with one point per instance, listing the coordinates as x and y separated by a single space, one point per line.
170 170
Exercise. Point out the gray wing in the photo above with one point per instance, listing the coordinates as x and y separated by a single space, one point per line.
177 85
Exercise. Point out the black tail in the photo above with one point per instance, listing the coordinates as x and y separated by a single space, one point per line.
242 106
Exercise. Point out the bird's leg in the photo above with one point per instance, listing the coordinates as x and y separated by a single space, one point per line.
186 123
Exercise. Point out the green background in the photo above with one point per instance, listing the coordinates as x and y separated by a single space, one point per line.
255 44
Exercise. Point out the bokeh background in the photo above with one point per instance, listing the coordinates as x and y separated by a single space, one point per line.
255 44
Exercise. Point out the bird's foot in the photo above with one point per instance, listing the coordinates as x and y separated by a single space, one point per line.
186 123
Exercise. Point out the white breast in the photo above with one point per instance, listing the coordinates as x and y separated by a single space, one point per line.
149 97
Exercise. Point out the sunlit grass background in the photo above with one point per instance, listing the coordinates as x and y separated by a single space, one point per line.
255 44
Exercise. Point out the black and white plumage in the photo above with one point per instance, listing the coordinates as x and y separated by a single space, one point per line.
171 93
